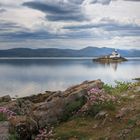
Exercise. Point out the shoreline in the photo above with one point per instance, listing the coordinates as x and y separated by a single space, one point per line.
54 109
133 80
14 97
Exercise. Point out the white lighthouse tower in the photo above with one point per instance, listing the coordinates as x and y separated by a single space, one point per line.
115 54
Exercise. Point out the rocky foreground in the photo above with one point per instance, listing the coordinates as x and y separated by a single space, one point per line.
88 111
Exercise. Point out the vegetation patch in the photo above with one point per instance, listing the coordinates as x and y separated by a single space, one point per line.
108 88
118 88
72 107
121 86
72 134
13 136
2 117
134 134
96 108
131 122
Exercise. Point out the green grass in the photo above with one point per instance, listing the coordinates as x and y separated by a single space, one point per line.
131 122
96 108
134 134
119 88
72 107
108 88
2 117
13 136
72 134
109 106
82 127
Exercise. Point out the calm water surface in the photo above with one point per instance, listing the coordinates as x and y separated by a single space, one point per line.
31 76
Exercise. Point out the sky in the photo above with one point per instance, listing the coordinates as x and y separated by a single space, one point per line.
69 24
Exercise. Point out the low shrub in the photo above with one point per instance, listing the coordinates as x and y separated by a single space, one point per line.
2 117
6 113
72 134
96 108
72 107
118 88
13 136
97 100
121 86
131 122
108 88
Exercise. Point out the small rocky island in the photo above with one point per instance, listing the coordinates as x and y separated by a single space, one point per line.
114 57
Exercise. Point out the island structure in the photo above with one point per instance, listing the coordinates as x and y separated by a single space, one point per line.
114 57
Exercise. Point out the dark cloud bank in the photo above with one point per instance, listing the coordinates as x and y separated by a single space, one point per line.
58 11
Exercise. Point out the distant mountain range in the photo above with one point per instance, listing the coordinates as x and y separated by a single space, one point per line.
55 52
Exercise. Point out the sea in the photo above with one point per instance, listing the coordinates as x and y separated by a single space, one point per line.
21 77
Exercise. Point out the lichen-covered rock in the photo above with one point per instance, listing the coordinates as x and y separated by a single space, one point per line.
101 115
137 89
5 98
38 98
53 109
138 123
20 106
123 112
24 127
4 130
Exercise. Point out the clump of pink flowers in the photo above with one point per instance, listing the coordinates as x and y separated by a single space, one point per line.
7 113
98 96
44 134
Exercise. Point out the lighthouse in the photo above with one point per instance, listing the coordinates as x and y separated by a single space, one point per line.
115 54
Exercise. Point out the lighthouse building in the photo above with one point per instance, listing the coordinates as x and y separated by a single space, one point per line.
115 54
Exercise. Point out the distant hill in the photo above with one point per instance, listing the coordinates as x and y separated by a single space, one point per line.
54 52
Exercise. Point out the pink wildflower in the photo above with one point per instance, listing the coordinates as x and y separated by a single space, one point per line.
8 113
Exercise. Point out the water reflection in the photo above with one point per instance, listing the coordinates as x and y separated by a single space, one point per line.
30 76
113 65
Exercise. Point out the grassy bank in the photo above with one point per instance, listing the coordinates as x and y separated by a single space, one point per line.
121 123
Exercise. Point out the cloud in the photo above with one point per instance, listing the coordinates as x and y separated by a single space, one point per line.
108 25
8 27
9 3
18 35
104 2
76 1
66 17
133 0
25 35
13 31
64 11
105 26
50 8
2 10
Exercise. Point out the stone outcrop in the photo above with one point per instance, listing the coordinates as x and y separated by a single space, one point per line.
6 98
38 111
4 130
51 110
